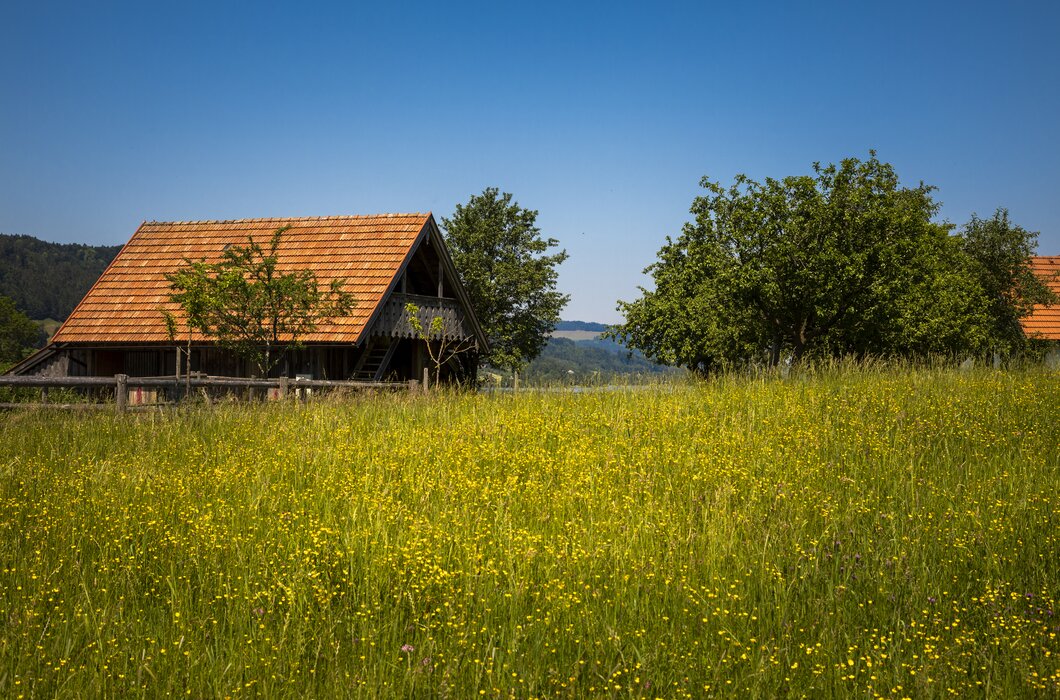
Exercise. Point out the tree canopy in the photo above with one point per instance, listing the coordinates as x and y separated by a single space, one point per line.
511 282
842 262
246 304
997 252
18 334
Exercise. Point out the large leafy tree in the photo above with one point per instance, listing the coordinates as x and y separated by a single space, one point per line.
511 281
844 261
18 334
247 304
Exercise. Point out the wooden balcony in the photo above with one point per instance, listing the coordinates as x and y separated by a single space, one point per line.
394 322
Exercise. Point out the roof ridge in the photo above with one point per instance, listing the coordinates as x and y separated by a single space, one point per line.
336 217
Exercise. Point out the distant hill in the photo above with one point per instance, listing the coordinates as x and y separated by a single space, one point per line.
577 353
581 326
580 361
47 280
578 330
576 335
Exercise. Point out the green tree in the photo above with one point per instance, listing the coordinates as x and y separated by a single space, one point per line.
247 304
500 256
931 304
999 254
845 261
18 334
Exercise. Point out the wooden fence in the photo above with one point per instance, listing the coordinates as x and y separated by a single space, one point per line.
123 385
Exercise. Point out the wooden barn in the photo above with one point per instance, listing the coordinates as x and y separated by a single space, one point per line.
387 261
1043 322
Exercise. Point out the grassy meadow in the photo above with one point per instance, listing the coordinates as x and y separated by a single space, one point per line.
856 533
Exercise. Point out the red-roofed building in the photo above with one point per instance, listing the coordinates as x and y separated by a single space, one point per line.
386 261
1044 321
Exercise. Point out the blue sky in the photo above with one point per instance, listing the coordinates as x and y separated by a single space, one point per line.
602 116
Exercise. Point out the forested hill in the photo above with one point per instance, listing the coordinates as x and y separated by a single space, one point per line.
597 359
46 280
581 326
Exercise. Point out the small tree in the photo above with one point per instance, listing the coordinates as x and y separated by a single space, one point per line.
247 305
500 256
448 346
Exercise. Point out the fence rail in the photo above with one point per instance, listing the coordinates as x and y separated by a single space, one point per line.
121 383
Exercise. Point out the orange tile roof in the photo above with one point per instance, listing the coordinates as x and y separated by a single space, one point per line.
123 305
1044 321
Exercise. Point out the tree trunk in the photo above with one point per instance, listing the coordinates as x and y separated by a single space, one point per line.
774 352
798 346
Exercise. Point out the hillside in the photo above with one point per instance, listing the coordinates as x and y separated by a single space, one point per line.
579 330
576 353
564 359
581 326
47 280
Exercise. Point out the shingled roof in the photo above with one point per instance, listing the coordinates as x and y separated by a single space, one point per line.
1044 321
124 304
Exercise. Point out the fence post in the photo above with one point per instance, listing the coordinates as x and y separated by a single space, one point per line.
121 391
426 379
283 387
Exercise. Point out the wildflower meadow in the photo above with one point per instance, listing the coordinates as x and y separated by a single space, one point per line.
891 533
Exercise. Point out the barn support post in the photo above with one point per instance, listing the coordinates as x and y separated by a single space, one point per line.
121 392
176 373
187 372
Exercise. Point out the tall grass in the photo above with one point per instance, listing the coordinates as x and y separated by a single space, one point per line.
847 533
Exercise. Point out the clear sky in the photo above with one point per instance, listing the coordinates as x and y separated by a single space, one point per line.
602 116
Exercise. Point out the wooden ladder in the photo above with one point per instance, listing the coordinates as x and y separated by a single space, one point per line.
375 359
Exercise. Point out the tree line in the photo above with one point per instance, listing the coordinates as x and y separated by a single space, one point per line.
844 262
